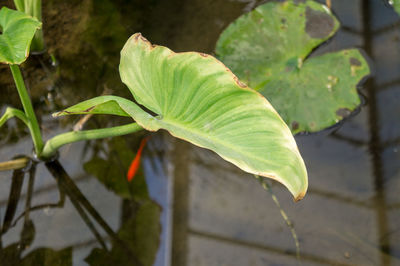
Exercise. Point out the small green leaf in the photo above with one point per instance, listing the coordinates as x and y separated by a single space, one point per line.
268 48
110 105
18 30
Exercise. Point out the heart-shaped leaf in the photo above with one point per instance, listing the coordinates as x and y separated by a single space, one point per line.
17 31
198 99
268 48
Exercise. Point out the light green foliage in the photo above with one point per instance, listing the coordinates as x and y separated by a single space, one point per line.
268 49
196 98
18 30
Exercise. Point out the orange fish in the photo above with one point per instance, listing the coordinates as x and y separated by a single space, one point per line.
133 168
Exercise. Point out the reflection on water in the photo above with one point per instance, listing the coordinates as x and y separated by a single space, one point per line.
196 209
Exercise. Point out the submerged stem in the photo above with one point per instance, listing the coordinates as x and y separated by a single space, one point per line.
30 114
56 142
267 187
14 164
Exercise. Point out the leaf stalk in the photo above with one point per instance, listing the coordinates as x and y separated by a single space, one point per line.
29 112
56 142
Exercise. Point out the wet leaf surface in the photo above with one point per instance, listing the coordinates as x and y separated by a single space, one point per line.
268 49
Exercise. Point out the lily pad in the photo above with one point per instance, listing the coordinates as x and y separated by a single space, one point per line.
268 49
17 31
197 98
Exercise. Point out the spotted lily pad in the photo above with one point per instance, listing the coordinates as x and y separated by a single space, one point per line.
268 49
17 31
197 98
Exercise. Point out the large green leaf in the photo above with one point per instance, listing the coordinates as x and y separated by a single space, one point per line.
268 48
196 98
17 30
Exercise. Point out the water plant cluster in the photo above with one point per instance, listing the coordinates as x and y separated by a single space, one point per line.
263 86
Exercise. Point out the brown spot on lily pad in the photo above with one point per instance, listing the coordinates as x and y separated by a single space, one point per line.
203 54
319 25
295 125
343 112
354 61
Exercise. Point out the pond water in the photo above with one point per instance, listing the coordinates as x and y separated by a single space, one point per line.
196 209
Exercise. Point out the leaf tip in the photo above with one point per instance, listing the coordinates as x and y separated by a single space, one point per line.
60 113
238 82
138 37
57 114
299 196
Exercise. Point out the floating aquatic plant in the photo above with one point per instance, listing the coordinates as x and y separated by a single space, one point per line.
269 49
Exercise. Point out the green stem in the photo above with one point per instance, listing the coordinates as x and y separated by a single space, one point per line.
10 113
34 9
37 44
19 4
30 114
56 142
